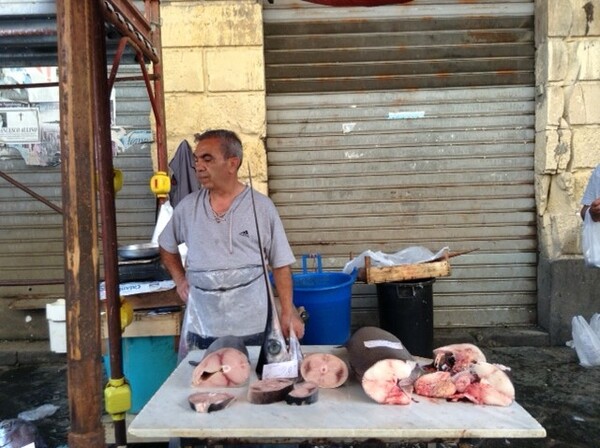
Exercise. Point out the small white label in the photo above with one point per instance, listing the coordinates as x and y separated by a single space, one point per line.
408 115
383 343
348 127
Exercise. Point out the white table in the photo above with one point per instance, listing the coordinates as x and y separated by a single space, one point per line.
345 414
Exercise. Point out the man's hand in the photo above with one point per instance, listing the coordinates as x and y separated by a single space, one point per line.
595 210
291 318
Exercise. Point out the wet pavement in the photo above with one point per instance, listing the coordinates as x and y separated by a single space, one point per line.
550 384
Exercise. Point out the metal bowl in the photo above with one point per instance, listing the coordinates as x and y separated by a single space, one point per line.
138 251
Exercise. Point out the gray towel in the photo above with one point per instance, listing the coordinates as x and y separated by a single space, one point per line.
183 176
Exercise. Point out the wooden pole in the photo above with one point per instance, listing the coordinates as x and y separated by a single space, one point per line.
78 98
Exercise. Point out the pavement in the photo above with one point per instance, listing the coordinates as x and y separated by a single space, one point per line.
550 384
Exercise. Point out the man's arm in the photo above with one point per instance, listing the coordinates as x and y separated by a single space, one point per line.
289 314
173 264
594 209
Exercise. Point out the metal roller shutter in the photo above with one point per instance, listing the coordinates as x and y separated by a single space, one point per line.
407 125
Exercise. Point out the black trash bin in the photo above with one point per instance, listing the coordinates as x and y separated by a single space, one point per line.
406 311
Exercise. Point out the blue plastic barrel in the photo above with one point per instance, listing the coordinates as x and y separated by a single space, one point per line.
326 296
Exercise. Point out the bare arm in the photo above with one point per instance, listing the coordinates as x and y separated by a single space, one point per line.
289 313
172 262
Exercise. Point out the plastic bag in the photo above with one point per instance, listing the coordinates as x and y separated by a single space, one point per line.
164 216
410 255
586 340
590 241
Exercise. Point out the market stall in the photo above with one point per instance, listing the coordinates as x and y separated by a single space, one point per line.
343 414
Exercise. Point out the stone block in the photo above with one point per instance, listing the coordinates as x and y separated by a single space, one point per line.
583 60
567 288
183 70
558 60
584 20
582 106
566 231
542 191
552 150
560 17
241 112
550 107
211 24
246 74
561 200
585 147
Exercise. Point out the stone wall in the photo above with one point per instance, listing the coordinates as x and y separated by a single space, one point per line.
567 149
567 117
214 75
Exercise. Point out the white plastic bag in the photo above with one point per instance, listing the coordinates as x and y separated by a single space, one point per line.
590 241
586 341
164 216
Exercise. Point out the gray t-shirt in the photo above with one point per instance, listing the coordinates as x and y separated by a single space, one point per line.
230 242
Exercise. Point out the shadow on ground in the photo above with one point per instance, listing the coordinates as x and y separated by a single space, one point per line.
550 384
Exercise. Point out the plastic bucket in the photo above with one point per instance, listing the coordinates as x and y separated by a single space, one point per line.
326 296
406 311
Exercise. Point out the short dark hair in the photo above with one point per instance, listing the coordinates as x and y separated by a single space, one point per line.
231 145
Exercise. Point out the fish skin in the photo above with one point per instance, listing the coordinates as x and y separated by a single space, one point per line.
274 348
205 402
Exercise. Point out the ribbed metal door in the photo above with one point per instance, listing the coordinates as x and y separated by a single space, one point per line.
31 241
409 125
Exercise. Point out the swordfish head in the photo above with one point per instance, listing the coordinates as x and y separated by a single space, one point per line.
274 348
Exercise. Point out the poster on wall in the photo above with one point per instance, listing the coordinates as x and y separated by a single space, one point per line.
19 125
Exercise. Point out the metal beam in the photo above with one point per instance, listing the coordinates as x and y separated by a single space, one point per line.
78 99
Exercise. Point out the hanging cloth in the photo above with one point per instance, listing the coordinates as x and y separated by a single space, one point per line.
183 176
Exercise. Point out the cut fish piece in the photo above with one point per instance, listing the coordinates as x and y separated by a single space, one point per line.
224 364
210 401
303 393
457 357
382 364
326 370
270 390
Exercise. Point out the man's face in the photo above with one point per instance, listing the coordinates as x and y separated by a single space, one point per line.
212 169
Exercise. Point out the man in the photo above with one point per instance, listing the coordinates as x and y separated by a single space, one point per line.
591 196
223 283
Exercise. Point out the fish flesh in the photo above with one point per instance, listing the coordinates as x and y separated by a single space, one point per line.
385 368
326 370
210 401
225 364
303 393
457 357
464 375
491 386
270 390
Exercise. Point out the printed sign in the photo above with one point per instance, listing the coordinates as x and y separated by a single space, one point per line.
19 125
